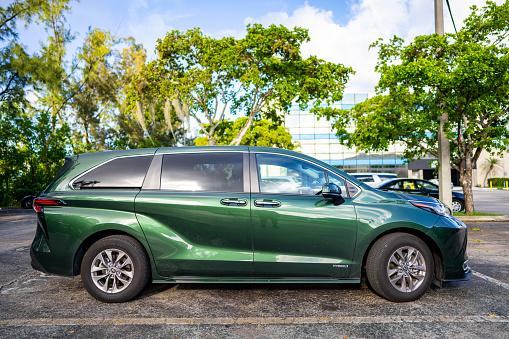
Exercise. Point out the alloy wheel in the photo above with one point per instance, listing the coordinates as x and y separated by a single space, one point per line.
406 269
112 270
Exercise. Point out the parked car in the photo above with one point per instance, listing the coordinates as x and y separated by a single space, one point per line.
421 187
27 201
200 214
373 179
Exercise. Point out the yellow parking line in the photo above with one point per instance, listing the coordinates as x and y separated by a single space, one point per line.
252 320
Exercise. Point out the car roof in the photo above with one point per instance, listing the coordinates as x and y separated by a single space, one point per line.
373 173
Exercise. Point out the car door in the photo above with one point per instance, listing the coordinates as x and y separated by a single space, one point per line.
296 232
196 218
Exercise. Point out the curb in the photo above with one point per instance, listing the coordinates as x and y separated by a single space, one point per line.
16 211
483 218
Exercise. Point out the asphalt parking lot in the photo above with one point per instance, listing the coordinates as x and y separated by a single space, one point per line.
489 201
33 304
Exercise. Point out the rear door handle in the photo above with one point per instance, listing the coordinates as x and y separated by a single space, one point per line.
234 202
267 203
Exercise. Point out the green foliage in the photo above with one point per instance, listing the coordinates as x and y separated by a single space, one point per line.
465 75
27 163
259 75
498 182
262 132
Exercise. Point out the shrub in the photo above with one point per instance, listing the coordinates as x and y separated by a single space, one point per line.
498 182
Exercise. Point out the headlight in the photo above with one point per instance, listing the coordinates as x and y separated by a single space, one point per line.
436 207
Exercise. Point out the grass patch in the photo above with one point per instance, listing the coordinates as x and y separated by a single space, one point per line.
475 214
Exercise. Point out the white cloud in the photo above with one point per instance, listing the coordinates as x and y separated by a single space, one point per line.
370 20
148 31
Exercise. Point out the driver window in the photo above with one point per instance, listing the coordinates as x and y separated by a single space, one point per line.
281 174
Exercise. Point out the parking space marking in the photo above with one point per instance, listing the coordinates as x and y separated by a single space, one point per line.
253 320
490 279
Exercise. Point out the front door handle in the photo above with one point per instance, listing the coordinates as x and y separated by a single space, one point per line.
267 203
234 202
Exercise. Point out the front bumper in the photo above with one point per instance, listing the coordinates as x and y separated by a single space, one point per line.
450 234
468 274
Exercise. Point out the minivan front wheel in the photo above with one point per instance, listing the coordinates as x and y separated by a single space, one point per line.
400 267
115 269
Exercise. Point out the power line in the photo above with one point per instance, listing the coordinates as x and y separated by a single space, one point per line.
450 13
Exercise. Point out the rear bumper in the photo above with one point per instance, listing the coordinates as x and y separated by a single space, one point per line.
36 265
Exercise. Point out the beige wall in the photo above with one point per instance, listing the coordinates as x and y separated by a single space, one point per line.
479 173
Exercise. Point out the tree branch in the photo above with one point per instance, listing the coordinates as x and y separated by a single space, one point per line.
9 84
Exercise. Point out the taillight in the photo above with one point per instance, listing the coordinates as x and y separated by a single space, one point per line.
40 202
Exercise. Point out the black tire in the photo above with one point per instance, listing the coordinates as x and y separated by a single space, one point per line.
120 281
27 202
395 248
457 202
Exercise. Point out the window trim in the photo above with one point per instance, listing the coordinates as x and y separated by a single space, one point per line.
71 183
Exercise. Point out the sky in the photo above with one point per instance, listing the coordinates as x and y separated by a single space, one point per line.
340 30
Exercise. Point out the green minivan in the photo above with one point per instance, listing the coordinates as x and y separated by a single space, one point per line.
237 214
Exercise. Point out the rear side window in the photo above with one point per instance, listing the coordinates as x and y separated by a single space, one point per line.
68 163
212 172
120 173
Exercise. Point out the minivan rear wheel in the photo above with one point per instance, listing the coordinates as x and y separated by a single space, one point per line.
400 267
115 269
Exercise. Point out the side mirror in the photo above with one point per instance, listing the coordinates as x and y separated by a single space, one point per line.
332 192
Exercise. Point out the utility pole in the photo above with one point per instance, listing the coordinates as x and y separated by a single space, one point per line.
444 150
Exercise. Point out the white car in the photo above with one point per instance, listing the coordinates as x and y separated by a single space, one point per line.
373 179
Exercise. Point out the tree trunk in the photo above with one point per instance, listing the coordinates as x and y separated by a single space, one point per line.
238 138
466 184
212 140
210 135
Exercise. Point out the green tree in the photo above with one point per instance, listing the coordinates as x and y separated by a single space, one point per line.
464 74
16 66
259 75
27 163
262 132
154 123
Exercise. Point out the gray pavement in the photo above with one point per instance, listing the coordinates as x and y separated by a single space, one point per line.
36 305
485 200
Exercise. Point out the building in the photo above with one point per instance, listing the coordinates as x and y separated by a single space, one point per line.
317 139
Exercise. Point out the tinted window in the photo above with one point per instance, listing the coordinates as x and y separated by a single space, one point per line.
126 172
68 163
212 172
427 185
280 174
405 185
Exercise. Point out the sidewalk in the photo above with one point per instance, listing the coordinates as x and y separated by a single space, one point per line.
484 218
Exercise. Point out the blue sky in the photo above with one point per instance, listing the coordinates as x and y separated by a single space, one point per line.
340 30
